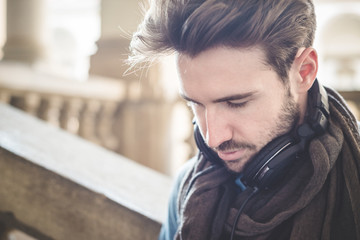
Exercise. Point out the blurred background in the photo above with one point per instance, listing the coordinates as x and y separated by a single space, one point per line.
63 62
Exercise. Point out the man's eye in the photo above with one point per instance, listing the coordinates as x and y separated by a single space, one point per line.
236 104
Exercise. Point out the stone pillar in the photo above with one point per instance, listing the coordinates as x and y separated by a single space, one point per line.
26 30
118 19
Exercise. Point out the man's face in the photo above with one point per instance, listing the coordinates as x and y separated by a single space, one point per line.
239 102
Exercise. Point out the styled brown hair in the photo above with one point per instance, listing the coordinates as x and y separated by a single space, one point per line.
279 27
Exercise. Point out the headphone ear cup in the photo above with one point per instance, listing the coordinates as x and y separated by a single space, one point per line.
271 162
262 165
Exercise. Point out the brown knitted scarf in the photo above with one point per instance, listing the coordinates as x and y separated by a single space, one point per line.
318 199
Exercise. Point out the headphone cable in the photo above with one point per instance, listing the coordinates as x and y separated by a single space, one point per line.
241 209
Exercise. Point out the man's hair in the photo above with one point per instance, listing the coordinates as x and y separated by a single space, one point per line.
279 27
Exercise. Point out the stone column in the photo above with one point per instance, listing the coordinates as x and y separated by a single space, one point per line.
117 17
26 30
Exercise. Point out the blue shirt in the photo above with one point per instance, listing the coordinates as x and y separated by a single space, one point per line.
170 226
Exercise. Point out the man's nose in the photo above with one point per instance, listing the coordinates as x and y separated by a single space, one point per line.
218 129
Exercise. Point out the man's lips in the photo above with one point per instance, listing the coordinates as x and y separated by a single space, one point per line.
231 155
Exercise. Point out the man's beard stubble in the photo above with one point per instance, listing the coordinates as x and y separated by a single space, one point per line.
287 121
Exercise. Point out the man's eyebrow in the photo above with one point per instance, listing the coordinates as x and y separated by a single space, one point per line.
235 97
224 99
187 98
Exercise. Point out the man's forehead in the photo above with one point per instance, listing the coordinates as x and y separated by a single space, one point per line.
258 51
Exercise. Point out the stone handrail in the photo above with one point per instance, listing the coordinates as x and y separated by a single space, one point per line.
55 185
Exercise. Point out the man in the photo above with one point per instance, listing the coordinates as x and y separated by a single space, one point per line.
279 157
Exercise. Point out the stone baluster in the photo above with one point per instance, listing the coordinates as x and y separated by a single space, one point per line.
88 121
32 103
70 119
52 110
106 125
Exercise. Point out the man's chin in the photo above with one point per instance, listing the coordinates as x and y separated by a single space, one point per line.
235 166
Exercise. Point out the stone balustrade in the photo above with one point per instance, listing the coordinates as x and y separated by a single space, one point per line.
112 113
77 107
55 185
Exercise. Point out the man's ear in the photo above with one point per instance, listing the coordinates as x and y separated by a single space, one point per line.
306 67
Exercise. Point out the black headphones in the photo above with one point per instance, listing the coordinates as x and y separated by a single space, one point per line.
270 164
